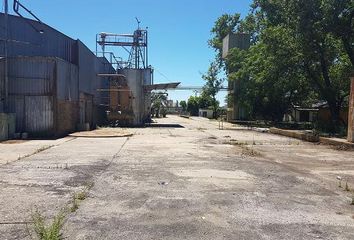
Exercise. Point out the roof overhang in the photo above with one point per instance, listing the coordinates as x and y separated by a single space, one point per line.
114 75
161 86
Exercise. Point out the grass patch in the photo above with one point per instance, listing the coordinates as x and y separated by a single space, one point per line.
50 231
250 151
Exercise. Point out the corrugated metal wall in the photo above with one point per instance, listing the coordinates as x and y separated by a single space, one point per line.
39 115
26 41
35 84
31 76
2 85
67 81
87 69
38 78
31 91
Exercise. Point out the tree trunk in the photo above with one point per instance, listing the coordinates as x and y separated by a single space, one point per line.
335 117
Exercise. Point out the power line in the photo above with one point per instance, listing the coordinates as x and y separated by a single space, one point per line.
163 75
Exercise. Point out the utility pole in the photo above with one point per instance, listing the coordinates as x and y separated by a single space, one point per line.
6 7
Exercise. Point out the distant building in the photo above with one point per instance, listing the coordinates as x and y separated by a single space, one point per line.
318 112
206 113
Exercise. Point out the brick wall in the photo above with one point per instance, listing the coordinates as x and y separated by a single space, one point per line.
67 117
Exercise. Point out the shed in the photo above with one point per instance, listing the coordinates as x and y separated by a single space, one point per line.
206 113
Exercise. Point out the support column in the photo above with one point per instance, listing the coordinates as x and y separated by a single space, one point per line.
351 112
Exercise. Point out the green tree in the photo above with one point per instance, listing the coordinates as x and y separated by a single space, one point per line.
323 33
193 105
198 102
183 104
212 86
158 103
301 50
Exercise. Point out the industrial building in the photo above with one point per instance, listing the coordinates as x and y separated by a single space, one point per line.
50 86
129 101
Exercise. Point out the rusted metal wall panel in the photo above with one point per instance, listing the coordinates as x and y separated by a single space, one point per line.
24 40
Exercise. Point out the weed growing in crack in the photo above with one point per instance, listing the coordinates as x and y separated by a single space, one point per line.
51 231
79 197
346 186
42 149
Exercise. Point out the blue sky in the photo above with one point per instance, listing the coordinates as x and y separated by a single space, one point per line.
178 30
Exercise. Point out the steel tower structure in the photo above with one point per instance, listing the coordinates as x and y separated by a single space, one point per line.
135 44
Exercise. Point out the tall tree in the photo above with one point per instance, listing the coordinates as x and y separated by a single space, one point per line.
212 85
300 48
323 31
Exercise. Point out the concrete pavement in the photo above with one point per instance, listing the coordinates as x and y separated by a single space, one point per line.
187 182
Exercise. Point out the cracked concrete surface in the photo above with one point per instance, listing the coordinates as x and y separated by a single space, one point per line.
195 182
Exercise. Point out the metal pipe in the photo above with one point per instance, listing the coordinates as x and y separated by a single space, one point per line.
17 4
147 49
6 5
16 7
96 44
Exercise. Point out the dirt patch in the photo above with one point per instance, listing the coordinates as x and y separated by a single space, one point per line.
214 173
14 141
103 133
247 150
